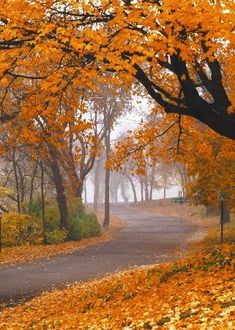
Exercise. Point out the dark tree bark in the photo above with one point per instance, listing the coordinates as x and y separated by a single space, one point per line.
212 112
76 177
21 183
60 191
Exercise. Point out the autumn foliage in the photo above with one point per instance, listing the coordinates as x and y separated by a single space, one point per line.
208 158
182 54
55 59
195 293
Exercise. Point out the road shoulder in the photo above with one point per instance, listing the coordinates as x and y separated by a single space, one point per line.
30 253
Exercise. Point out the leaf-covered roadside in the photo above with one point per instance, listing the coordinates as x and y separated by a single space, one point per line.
28 253
196 293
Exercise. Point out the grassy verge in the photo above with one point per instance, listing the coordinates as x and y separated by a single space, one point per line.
213 234
28 253
194 214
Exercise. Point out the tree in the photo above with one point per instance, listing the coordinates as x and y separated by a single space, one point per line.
181 60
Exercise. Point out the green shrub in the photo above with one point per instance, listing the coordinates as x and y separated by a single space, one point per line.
57 236
18 229
84 227
76 207
34 207
52 216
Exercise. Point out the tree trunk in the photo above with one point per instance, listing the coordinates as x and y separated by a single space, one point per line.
133 188
164 192
21 185
195 105
107 176
106 199
151 183
85 192
80 190
142 189
16 182
183 177
123 193
96 185
60 192
146 186
32 183
43 204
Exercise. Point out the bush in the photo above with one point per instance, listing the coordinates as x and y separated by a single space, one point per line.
52 214
76 207
56 236
84 227
18 229
34 207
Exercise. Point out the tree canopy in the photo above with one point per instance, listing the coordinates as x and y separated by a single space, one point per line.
182 54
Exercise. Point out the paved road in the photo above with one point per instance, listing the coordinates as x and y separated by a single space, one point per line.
147 239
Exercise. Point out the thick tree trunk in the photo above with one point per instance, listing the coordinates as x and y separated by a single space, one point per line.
60 191
193 104
79 191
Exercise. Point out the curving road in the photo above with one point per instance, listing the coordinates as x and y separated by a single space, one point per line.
147 238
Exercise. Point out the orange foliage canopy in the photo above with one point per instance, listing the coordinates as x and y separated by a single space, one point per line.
181 52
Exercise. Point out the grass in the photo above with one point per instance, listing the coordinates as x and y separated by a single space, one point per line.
213 234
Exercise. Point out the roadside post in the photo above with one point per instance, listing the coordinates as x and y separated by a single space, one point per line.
180 200
0 230
223 197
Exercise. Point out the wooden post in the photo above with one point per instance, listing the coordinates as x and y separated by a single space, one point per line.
0 231
221 221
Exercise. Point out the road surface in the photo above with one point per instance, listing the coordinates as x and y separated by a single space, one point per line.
147 238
